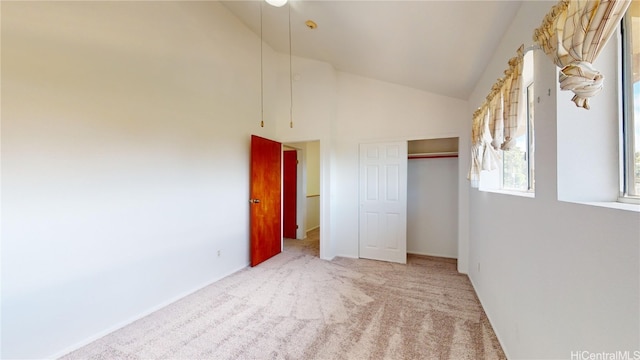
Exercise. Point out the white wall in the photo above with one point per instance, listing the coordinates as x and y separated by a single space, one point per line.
432 207
343 110
588 145
556 277
314 111
115 195
370 110
313 167
313 185
313 213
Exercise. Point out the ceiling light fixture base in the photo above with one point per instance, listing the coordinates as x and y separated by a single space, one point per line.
276 3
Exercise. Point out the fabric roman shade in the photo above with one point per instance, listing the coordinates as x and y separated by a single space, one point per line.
492 127
476 153
572 34
498 121
513 105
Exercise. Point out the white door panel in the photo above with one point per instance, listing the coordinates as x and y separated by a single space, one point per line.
383 201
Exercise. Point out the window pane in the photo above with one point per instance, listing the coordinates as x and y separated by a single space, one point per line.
631 48
531 133
636 137
517 163
635 65
515 174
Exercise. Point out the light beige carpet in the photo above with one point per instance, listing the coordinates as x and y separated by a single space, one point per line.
296 306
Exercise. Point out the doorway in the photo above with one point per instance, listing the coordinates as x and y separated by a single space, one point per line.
289 193
408 207
307 198
432 206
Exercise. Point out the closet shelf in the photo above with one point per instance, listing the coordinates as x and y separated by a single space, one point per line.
434 155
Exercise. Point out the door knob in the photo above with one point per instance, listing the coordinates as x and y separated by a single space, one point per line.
254 201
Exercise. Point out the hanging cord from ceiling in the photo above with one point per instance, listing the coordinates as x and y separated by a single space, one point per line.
261 74
290 74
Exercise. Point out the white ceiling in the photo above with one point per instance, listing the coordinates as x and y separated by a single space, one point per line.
437 46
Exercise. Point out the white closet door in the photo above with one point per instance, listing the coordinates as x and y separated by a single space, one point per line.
383 201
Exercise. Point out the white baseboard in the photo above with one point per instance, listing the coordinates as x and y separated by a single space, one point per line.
504 349
348 256
147 312
431 254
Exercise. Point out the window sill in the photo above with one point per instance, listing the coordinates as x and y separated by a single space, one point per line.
633 200
526 194
611 205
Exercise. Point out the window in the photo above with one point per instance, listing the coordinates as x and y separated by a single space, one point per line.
631 103
517 163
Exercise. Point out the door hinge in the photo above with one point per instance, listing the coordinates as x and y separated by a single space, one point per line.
296 227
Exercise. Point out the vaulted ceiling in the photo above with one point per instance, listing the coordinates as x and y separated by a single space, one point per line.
437 46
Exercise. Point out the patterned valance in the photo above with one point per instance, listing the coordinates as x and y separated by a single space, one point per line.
496 123
572 35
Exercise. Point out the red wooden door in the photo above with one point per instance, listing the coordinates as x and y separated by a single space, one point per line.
265 201
290 172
